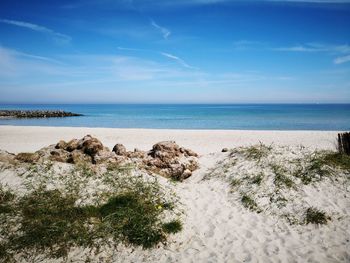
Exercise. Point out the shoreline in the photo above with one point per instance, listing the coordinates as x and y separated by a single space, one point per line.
31 138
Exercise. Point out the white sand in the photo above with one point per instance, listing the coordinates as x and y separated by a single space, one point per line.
25 139
217 228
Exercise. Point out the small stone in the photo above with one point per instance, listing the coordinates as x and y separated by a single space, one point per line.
224 150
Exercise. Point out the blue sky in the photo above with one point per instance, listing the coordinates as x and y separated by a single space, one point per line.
184 51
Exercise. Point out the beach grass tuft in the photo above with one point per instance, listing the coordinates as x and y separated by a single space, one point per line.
255 152
316 216
249 202
172 227
281 178
52 221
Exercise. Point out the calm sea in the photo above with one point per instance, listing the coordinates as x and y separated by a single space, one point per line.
237 116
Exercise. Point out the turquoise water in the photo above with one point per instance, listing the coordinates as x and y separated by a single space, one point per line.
237 116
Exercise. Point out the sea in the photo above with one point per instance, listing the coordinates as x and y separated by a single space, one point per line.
193 116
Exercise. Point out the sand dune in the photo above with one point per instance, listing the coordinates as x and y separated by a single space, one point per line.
217 227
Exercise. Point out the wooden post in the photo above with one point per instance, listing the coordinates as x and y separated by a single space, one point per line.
344 143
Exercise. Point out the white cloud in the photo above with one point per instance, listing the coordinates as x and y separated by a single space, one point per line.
315 47
341 60
38 28
177 59
167 55
165 32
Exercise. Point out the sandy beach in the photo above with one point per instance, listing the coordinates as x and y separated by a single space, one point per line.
26 138
216 226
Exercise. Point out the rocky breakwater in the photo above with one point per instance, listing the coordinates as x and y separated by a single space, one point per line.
165 158
36 114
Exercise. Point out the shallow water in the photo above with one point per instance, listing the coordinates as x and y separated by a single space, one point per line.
204 116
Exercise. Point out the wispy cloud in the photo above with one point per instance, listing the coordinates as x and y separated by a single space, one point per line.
177 59
315 47
165 54
38 28
164 31
341 60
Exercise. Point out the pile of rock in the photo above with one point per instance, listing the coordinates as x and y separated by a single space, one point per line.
36 114
165 158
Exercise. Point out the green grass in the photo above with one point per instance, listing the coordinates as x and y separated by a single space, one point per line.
234 182
51 222
172 227
133 217
257 179
281 179
255 152
320 165
338 160
250 203
6 198
316 216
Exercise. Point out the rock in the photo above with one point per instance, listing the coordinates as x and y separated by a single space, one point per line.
36 114
59 155
92 146
105 156
169 159
176 170
119 149
189 152
78 157
7 157
192 165
169 147
72 145
27 157
224 150
61 145
187 173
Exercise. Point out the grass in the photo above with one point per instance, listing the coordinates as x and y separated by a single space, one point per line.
320 165
51 222
250 203
338 160
6 198
257 179
255 152
281 179
316 216
172 227
234 182
135 218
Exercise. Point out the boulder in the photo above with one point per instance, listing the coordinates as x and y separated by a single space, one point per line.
105 156
78 157
165 150
187 173
7 157
92 146
71 145
224 150
59 155
28 157
119 149
61 145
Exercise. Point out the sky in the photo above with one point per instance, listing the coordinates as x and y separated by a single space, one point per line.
167 51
